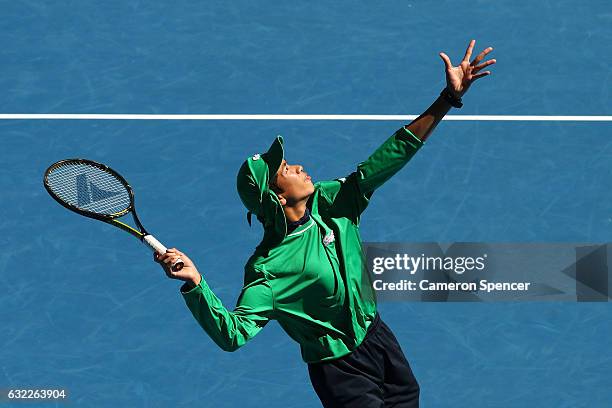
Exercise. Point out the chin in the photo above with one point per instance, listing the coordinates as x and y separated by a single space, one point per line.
308 192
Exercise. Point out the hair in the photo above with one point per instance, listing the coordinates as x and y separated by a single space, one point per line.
273 186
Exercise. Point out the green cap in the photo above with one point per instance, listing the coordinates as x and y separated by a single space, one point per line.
253 187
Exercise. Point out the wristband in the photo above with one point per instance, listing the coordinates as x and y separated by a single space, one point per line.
451 99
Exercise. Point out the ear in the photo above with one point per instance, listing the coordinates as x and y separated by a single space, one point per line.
281 199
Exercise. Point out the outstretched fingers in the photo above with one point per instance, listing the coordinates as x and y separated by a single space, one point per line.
468 52
480 75
477 68
481 56
446 60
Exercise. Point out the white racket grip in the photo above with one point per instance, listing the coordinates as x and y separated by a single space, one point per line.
157 246
154 244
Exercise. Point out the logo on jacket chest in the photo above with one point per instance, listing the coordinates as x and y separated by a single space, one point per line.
329 238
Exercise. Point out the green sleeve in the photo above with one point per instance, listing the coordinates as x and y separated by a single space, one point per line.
349 197
387 160
231 329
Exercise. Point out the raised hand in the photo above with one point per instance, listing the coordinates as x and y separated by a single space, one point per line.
460 78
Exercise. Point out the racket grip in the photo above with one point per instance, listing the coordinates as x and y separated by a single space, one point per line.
157 246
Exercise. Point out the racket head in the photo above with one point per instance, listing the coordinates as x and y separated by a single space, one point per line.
89 188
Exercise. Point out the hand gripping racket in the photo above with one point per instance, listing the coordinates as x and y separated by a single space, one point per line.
97 191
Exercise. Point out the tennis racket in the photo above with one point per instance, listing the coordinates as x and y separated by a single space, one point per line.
97 191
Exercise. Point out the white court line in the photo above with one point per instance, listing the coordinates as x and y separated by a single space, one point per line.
96 116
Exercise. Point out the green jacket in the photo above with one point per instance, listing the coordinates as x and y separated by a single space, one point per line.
315 282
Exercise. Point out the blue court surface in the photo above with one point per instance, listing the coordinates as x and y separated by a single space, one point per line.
82 305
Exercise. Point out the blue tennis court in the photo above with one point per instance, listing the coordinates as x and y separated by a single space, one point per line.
82 305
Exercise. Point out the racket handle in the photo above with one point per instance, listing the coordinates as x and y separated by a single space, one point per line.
157 246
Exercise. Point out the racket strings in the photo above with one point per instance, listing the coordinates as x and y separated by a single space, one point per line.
89 188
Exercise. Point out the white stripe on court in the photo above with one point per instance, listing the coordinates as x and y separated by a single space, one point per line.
104 116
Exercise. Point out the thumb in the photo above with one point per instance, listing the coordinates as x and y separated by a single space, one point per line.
446 60
184 258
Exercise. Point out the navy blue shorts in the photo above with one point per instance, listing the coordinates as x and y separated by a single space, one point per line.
375 375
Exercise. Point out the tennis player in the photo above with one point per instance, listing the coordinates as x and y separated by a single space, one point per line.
309 274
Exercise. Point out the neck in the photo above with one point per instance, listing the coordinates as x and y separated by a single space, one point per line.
295 212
